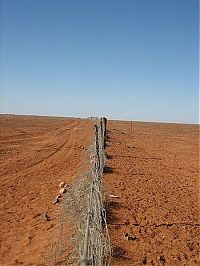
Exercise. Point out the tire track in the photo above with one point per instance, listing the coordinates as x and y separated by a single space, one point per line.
34 166
28 193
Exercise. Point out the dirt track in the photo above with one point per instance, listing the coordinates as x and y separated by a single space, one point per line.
156 177
36 153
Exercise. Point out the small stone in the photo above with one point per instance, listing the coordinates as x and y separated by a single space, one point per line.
62 190
144 261
129 145
126 234
162 259
113 196
45 217
55 200
62 184
130 237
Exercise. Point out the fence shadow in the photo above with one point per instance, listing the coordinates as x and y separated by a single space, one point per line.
111 216
108 157
107 170
119 253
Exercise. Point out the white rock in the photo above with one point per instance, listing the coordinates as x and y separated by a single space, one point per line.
62 190
113 196
62 184
55 200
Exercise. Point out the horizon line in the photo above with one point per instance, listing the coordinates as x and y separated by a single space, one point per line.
111 119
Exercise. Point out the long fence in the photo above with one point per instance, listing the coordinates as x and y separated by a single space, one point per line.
96 249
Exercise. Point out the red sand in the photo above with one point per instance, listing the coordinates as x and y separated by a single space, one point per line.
156 176
36 153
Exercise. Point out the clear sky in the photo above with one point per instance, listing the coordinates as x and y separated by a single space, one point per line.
124 59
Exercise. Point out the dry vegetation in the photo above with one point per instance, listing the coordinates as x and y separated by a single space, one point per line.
151 182
37 153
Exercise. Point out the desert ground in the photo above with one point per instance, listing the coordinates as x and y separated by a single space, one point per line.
153 216
36 154
151 187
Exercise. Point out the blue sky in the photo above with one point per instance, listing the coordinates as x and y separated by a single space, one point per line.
132 60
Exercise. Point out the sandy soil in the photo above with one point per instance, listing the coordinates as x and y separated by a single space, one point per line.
36 153
155 173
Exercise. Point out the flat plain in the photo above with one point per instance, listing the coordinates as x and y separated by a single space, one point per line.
151 188
36 154
153 217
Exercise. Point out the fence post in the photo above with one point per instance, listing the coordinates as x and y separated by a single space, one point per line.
96 243
104 130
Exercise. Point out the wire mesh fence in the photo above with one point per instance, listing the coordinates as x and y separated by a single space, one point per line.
95 248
